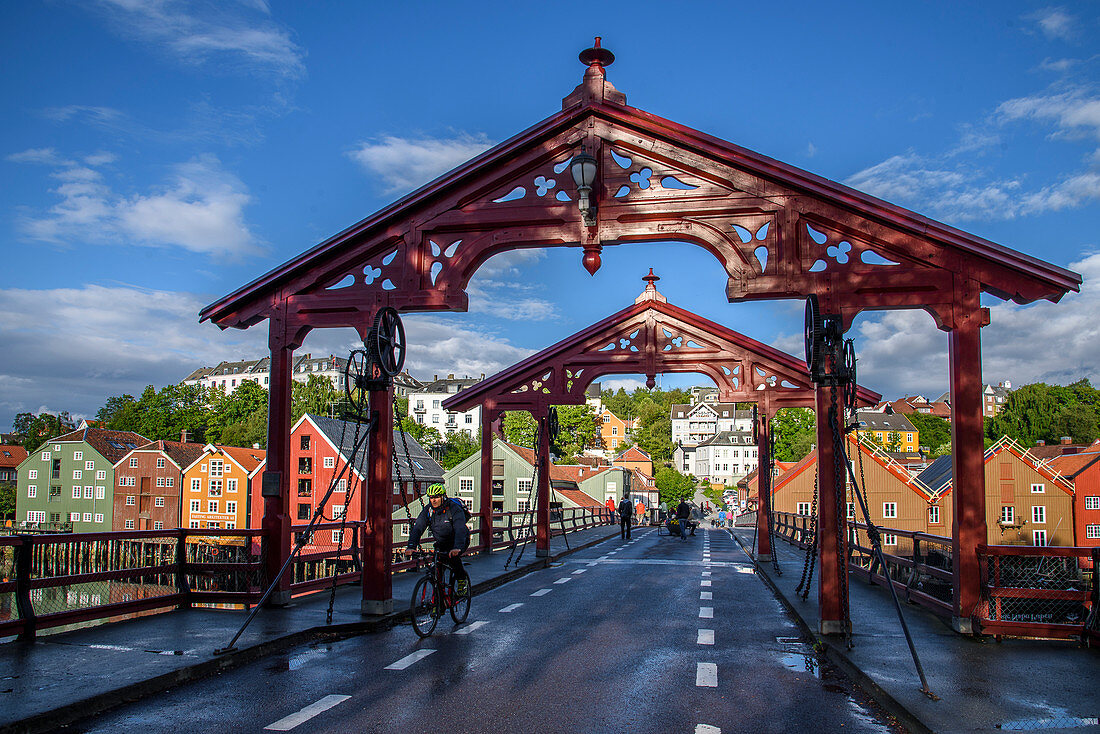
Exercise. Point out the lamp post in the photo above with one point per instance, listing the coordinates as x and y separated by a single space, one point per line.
583 169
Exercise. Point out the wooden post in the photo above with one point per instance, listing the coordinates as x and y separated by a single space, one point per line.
378 508
542 515
763 485
968 529
488 430
832 575
275 485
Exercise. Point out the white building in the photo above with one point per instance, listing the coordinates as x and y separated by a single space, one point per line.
725 457
228 376
693 424
425 405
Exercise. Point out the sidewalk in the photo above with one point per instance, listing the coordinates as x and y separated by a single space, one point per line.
62 677
982 685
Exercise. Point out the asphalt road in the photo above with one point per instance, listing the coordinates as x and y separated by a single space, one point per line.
651 635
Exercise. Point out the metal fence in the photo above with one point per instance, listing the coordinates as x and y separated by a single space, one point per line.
1026 591
57 580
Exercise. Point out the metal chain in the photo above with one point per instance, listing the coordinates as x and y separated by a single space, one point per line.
532 501
811 550
839 474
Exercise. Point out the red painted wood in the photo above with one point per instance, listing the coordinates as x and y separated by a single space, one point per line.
832 575
377 503
276 517
489 426
542 516
763 482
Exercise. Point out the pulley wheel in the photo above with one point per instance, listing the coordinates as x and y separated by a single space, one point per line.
849 361
814 334
552 423
387 341
356 375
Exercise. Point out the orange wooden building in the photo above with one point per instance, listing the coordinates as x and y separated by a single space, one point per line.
217 487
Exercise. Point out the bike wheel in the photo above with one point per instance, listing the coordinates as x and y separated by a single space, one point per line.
460 603
424 607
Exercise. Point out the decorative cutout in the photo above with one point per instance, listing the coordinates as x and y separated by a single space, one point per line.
623 191
543 184
442 253
562 196
726 370
818 237
762 233
517 193
671 182
571 377
370 273
387 285
870 257
642 178
437 268
559 167
761 257
622 161
348 280
788 383
624 343
839 252
538 384
818 266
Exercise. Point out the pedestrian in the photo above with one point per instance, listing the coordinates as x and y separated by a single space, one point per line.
610 509
722 518
683 512
662 512
640 508
626 511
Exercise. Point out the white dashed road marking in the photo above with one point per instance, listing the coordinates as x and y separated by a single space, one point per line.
511 608
289 722
471 627
705 596
706 637
706 612
409 660
705 582
706 573
706 675
579 570
564 579
707 729
542 592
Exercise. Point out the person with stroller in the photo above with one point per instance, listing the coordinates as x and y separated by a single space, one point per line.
683 514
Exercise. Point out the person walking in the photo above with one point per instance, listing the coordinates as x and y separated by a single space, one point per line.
610 509
640 508
683 512
626 512
722 518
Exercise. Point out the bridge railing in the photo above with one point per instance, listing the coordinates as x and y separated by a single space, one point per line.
1029 591
55 580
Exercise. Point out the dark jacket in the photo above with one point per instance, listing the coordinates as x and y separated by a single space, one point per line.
448 524
625 508
683 511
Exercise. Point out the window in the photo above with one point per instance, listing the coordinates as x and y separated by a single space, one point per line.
611 487
1092 532
1038 488
202 468
161 482
196 485
215 488
78 456
230 485
342 485
909 437
329 462
160 462
934 515
36 516
169 482
404 530
74 517
194 524
77 474
32 491
133 462
100 492
303 512
194 505
33 474
216 466
337 536
130 500
803 508
231 507
1038 537
305 465
305 487
99 517
465 484
889 539
212 506
435 417
158 502
337 512
158 525
87 517
45 456
101 475
1039 514
89 493
304 442
230 525
76 493
1008 514
889 510
851 510
468 502
435 403
614 430
57 447
1092 503
129 524
523 485
469 418
523 505
129 481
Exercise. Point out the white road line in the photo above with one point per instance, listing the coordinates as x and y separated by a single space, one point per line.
511 608
705 582
705 596
289 722
706 675
707 729
579 570
564 580
542 592
706 573
590 564
471 627
706 637
706 612
409 660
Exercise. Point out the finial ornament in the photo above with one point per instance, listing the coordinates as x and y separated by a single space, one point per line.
597 57
650 280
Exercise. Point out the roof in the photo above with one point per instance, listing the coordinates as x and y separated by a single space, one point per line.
873 421
422 466
633 454
248 459
722 410
1050 450
111 445
575 473
182 454
578 497
1071 465
198 374
869 451
938 474
12 456
450 385
729 438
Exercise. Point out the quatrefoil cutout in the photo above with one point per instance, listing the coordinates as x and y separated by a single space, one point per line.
543 184
642 178
839 252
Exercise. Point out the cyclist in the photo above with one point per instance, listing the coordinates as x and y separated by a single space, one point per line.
447 518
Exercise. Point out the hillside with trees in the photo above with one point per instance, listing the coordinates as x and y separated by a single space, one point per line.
1042 412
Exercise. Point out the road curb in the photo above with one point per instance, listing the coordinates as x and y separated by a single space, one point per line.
835 654
101 702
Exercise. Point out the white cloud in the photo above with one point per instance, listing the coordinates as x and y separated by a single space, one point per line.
218 33
504 287
902 352
45 156
201 209
1058 65
403 164
1074 113
1055 23
630 384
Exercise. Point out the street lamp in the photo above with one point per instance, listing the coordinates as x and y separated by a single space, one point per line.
583 169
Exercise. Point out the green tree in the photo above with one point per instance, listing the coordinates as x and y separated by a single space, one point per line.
239 406
795 432
672 486
933 431
316 395
520 428
578 429
7 500
252 430
457 447
35 430
1076 420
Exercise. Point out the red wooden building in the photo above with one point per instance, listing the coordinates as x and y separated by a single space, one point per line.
148 483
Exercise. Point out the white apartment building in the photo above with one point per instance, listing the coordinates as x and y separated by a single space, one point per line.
426 406
725 457
693 424
228 376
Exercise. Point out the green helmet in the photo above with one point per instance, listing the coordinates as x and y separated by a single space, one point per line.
436 490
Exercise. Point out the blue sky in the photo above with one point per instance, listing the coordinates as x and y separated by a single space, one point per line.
157 155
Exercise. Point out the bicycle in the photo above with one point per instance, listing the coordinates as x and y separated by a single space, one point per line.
435 592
